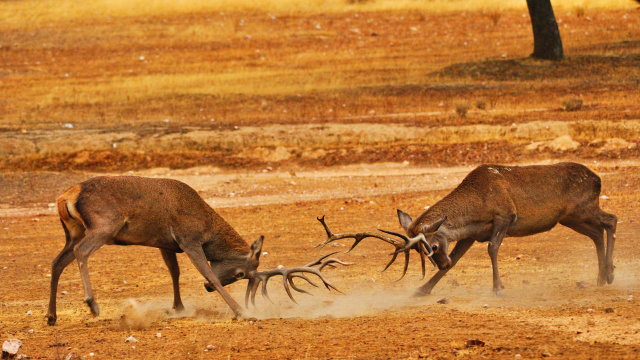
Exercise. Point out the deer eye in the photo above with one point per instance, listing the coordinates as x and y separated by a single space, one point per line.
434 247
240 275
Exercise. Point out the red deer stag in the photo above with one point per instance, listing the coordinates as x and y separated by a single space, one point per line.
169 215
494 202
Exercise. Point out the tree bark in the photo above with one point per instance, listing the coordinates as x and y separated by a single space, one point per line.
546 36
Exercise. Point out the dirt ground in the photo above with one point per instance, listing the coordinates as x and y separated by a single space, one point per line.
279 118
542 313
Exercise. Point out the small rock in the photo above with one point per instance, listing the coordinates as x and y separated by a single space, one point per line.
71 356
590 310
581 284
518 357
280 267
485 306
210 347
546 354
475 342
442 301
520 257
131 339
30 331
64 293
630 297
608 310
11 347
29 312
158 335
91 354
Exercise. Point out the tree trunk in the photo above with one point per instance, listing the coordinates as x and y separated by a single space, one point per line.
546 36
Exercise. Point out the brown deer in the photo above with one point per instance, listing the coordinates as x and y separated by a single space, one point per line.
494 202
169 215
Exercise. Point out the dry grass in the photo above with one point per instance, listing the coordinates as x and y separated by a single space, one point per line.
29 13
168 71
245 68
462 107
572 104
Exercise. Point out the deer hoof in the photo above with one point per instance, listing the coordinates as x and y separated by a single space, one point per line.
497 292
178 308
51 320
610 278
93 306
419 293
239 315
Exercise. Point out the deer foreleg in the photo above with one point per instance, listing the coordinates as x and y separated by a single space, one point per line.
199 260
500 227
170 259
609 222
459 249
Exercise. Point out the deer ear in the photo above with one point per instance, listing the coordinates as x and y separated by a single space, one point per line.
256 249
405 219
434 226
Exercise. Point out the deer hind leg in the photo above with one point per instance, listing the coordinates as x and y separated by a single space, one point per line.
93 241
596 233
609 222
459 249
61 261
174 269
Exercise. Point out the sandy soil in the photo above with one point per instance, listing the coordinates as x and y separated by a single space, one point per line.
543 311
276 119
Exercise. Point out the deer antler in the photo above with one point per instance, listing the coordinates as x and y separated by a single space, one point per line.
418 243
313 267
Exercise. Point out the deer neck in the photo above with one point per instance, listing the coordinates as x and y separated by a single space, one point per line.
226 238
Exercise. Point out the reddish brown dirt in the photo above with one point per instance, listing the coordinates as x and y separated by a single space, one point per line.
543 311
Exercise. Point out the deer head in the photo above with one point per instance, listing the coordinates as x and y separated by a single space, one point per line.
434 241
233 268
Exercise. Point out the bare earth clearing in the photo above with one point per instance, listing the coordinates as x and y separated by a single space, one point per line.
542 312
278 118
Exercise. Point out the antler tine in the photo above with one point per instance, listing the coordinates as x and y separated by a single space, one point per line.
422 260
316 262
302 276
248 292
264 292
330 262
390 262
406 265
287 278
358 237
253 290
293 285
412 242
286 287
